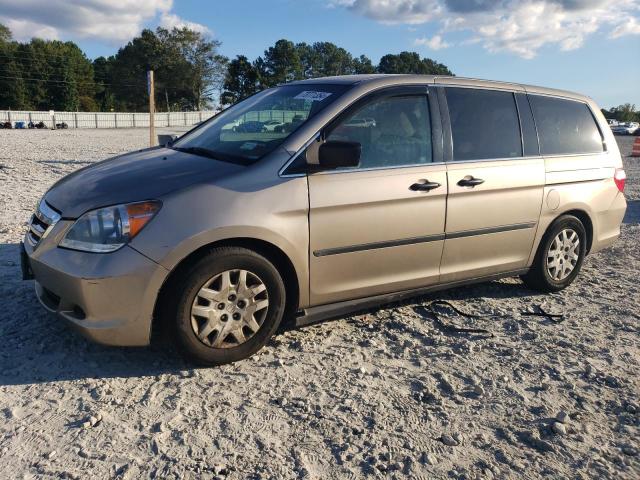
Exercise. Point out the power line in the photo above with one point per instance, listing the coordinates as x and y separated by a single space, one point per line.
81 83
45 75
43 55
28 79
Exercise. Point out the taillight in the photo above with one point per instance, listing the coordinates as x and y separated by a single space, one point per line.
620 177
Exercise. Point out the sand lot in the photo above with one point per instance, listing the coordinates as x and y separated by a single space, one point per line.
386 394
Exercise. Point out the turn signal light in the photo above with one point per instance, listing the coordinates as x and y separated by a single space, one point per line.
139 215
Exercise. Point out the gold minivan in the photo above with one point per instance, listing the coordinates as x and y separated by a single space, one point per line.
322 197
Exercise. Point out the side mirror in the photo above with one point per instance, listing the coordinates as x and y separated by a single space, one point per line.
166 140
335 154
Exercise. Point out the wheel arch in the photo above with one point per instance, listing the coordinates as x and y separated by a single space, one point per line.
585 219
268 250
547 221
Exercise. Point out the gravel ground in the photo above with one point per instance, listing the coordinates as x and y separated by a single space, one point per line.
386 394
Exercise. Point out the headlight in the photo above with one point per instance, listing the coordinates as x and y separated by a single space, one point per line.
107 229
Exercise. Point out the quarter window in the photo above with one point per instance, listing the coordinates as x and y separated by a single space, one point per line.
484 124
393 131
565 126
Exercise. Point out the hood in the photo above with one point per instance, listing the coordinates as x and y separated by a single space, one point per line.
143 175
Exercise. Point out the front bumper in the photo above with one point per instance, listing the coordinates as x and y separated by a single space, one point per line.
109 298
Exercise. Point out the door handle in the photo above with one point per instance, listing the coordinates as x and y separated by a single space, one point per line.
424 186
470 181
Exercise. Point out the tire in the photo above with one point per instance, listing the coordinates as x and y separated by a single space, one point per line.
225 343
549 274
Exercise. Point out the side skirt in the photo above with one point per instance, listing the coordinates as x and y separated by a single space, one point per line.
330 311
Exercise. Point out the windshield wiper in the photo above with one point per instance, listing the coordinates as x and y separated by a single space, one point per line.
203 152
220 156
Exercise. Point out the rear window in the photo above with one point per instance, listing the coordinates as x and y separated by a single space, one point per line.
484 124
565 126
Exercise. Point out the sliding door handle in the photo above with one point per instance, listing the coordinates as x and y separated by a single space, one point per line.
424 186
470 181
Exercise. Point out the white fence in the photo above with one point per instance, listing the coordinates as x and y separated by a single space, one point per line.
104 120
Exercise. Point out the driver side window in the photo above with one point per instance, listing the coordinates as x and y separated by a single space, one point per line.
393 131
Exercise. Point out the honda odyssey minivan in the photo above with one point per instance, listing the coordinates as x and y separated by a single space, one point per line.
373 188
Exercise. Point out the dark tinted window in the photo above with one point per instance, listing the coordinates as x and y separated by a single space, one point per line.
393 131
484 124
529 135
565 126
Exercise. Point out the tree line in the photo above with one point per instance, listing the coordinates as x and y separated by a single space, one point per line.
622 113
190 73
286 61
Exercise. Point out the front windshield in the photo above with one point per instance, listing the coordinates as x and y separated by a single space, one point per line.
251 129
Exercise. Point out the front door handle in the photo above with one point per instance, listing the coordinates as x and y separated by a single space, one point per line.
470 181
424 186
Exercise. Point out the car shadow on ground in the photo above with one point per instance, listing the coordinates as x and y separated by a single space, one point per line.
632 215
38 347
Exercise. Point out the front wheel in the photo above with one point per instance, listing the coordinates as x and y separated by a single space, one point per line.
559 256
228 305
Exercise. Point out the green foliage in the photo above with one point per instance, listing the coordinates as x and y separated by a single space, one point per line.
363 65
241 81
5 34
324 59
623 113
281 64
189 71
44 75
410 62
286 61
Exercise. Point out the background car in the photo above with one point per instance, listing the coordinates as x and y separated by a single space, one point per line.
250 127
627 128
271 125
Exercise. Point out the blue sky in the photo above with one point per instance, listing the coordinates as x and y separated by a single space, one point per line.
589 46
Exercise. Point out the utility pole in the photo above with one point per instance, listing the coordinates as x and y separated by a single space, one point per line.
152 108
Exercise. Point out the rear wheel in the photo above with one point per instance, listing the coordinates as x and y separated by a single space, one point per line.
559 256
228 305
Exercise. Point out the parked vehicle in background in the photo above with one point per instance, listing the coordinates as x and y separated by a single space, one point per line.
290 126
627 128
39 125
612 122
271 125
226 233
249 127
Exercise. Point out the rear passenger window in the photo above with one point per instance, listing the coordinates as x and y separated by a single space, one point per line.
393 131
484 124
565 126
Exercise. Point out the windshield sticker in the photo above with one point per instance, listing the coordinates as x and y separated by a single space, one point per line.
311 95
248 146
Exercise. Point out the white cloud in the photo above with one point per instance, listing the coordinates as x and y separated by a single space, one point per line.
22 29
521 27
630 27
115 21
395 11
170 20
434 43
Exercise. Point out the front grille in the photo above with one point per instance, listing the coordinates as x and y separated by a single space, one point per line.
41 223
